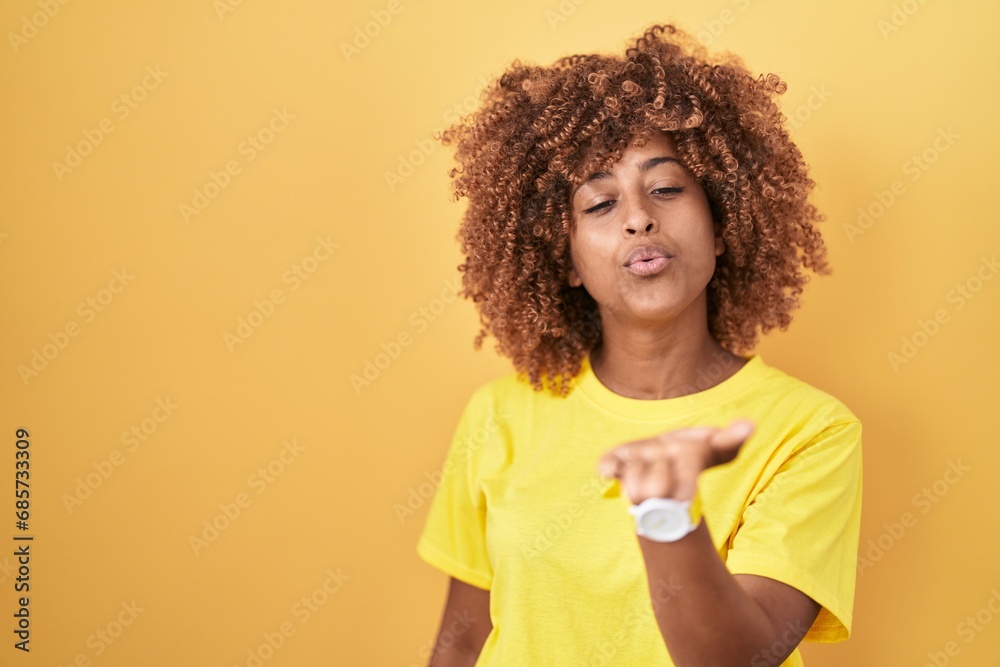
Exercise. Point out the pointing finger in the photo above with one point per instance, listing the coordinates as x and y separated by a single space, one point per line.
727 442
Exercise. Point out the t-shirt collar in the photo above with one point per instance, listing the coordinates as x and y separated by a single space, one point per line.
655 409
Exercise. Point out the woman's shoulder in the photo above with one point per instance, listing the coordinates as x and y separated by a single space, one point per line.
791 393
513 392
511 386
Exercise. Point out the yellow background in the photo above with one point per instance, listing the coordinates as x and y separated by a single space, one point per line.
866 99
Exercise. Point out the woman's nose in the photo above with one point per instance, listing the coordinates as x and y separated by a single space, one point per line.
638 217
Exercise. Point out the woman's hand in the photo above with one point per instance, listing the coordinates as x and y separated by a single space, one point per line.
667 465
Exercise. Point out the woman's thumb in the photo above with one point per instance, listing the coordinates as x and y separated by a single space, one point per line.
726 443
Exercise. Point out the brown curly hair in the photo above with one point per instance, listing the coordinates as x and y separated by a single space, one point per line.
541 130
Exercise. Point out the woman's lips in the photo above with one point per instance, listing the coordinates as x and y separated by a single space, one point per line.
648 267
648 260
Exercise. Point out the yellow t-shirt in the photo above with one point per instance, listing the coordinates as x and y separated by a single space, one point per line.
521 511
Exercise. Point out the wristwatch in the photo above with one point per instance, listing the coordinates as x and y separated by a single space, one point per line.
666 519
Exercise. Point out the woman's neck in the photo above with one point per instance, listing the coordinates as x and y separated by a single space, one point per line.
655 367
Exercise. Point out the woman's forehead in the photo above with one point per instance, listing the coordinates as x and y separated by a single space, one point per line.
596 154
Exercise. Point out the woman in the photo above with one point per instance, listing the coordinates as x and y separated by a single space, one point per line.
638 493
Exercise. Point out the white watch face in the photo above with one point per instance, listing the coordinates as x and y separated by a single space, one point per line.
665 521
665 524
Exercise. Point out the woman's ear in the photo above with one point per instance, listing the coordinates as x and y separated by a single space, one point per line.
573 278
720 244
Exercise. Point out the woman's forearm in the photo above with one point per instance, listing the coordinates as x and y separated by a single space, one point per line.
709 619
453 656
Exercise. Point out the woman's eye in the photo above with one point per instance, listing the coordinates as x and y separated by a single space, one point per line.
600 207
669 191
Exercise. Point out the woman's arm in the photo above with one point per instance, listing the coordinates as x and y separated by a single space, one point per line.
712 617
465 625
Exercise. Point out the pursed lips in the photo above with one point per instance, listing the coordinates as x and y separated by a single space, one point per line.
648 260
647 253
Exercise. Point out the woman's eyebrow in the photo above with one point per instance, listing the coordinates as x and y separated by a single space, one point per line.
643 166
653 161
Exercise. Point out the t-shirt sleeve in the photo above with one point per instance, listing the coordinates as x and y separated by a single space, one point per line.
454 533
802 528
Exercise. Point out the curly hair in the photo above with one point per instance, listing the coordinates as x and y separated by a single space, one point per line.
541 130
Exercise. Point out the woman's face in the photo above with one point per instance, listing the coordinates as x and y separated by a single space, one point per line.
650 204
